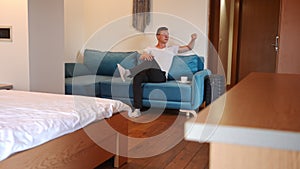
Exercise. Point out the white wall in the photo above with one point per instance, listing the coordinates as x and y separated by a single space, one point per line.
84 17
106 24
14 58
74 28
46 45
34 59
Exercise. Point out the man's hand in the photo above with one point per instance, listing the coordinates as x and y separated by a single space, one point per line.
146 56
194 36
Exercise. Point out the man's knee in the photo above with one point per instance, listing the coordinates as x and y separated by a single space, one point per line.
139 78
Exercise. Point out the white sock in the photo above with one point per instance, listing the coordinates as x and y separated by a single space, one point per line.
124 73
127 72
135 113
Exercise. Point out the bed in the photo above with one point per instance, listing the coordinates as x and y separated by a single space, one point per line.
42 130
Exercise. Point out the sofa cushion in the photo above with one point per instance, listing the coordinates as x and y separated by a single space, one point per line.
92 59
76 69
109 63
170 90
185 66
105 63
87 85
115 88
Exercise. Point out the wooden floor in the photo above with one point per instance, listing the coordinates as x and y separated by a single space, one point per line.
184 155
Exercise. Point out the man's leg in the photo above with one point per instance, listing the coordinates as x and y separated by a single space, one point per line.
138 80
149 75
156 76
144 66
124 73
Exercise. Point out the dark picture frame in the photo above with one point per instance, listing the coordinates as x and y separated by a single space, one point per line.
6 33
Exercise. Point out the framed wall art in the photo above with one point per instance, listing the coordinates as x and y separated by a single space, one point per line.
6 33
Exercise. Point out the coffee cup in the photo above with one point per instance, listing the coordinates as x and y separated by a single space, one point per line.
183 78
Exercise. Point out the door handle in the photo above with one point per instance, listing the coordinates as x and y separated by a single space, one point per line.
276 46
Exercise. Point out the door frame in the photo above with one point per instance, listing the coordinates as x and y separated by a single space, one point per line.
213 36
235 50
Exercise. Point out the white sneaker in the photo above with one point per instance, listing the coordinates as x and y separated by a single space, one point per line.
135 113
122 72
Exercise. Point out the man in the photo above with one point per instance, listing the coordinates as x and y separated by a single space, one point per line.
156 65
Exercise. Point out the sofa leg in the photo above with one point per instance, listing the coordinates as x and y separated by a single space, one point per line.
189 112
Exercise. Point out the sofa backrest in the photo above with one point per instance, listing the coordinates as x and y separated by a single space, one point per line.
105 63
185 66
76 69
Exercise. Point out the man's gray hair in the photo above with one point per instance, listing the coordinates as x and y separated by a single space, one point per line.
161 29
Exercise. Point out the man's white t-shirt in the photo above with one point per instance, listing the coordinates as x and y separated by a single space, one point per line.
163 56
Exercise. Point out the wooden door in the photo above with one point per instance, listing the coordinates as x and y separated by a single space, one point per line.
258 28
288 57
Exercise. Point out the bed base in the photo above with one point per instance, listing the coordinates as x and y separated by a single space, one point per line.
75 150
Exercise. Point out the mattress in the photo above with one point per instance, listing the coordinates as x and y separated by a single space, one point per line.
29 119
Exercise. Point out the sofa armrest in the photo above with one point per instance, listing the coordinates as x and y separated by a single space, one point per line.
198 87
76 69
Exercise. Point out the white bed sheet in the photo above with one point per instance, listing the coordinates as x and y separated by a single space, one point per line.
28 119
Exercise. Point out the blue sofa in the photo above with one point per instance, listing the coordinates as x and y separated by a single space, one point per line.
98 76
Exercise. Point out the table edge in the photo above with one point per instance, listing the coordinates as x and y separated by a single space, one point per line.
260 137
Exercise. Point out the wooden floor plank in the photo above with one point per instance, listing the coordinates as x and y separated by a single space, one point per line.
162 160
201 158
184 154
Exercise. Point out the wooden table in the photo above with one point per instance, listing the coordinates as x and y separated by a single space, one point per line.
6 86
254 125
